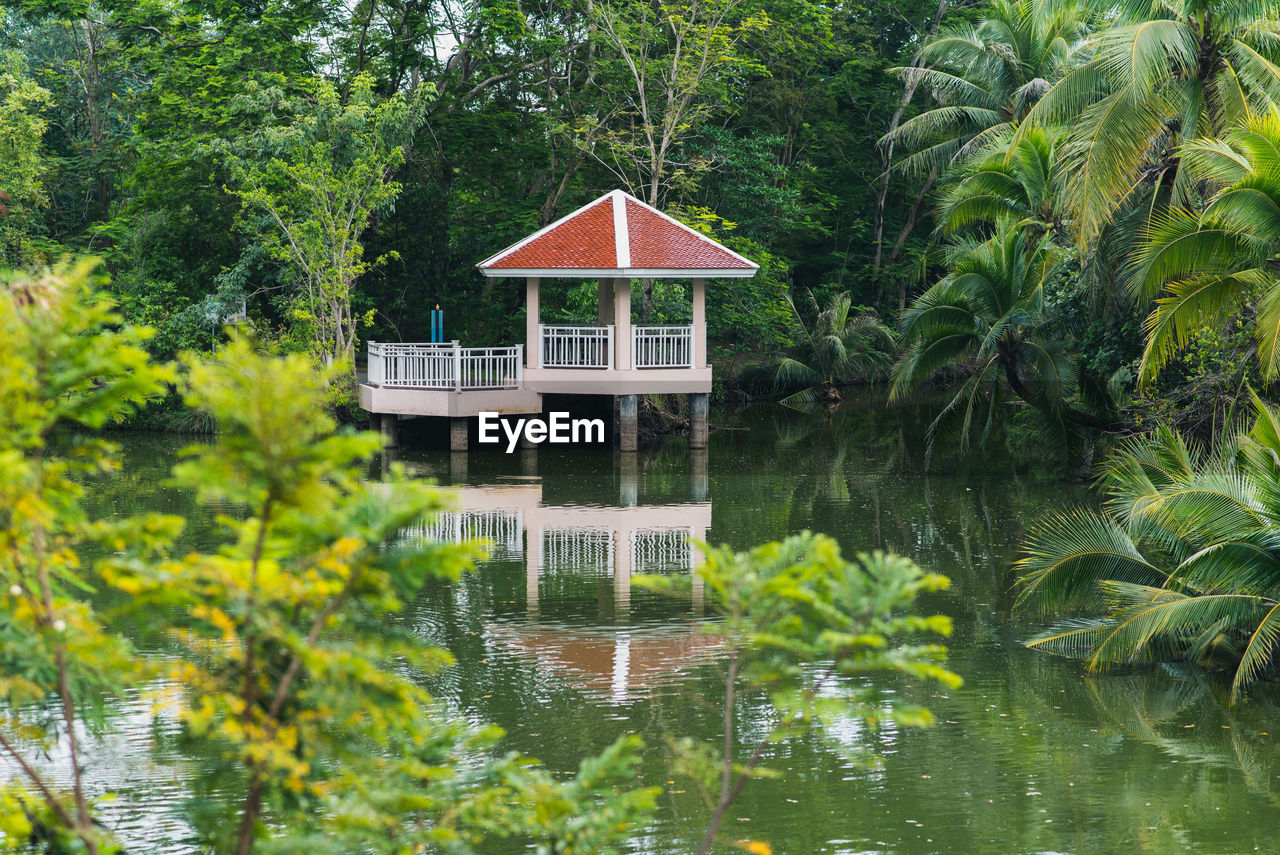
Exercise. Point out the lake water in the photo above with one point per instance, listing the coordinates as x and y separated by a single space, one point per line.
1031 755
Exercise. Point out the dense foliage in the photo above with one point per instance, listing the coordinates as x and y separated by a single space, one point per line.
343 166
281 648
1181 562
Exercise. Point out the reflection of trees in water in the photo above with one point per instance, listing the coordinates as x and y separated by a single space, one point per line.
1181 711
857 472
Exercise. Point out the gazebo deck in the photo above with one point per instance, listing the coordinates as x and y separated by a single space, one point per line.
613 240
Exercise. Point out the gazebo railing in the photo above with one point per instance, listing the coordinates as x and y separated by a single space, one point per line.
445 366
575 347
662 347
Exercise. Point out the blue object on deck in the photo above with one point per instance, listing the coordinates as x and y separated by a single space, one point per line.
437 325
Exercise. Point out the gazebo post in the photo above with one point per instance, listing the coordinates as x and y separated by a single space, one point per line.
699 402
458 433
628 405
622 324
533 315
699 323
604 302
628 422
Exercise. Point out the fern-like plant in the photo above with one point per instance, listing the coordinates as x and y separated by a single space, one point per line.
834 346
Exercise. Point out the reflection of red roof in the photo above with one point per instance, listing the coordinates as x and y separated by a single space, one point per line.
617 235
622 665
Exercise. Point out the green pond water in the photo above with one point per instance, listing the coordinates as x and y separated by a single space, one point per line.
1031 755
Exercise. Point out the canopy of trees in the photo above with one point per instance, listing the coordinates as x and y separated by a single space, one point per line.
344 165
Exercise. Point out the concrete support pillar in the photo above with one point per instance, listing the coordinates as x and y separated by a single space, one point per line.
604 302
622 573
390 431
629 479
699 323
628 421
531 571
698 593
622 324
457 434
533 315
698 406
529 461
457 467
699 479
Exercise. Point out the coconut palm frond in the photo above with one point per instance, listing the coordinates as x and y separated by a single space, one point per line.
1258 653
987 78
1230 565
1073 638
1190 307
1183 563
1177 245
1068 554
1165 628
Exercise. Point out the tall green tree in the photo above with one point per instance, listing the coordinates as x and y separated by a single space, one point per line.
22 164
1202 267
328 174
65 364
1161 76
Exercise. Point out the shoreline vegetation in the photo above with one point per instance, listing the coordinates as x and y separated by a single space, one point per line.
1060 216
285 649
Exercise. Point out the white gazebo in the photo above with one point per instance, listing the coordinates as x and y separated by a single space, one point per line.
613 240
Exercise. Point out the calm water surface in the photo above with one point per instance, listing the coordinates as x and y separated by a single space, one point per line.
1029 756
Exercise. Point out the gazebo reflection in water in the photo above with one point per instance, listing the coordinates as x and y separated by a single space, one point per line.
612 664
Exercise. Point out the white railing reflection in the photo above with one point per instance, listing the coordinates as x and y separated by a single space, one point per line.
658 550
575 550
502 530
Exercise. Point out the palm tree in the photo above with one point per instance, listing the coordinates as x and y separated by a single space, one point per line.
1009 181
986 78
1167 73
1205 267
988 314
1184 561
839 346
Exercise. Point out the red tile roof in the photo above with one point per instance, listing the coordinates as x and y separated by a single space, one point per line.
583 239
618 235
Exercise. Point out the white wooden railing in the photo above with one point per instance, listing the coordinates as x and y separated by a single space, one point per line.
662 347
575 347
445 366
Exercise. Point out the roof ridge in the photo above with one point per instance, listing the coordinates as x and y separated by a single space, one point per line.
642 245
621 233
